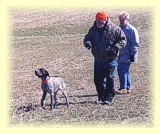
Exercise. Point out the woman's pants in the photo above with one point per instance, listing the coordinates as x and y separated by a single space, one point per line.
124 76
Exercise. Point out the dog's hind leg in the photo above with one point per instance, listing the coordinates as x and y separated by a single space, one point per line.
52 102
64 90
66 97
55 100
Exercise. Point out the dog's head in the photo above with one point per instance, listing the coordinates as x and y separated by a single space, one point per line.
41 73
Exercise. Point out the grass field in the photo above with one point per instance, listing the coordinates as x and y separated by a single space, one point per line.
51 39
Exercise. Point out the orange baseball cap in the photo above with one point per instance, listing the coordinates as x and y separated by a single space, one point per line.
101 15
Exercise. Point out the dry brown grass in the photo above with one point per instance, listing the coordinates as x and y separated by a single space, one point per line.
52 38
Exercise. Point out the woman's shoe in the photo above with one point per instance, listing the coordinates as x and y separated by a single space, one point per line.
122 90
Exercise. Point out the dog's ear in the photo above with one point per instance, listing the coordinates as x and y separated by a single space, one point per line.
42 70
45 72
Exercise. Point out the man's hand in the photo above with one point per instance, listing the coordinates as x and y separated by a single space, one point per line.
88 45
132 58
113 52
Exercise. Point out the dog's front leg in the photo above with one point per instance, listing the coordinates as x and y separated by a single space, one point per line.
53 100
43 97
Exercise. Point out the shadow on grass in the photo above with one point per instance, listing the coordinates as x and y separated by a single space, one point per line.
73 101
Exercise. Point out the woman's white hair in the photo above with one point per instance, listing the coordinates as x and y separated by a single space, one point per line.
124 15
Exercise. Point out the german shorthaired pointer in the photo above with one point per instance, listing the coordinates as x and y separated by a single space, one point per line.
51 85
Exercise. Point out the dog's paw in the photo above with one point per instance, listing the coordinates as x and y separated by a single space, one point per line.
68 105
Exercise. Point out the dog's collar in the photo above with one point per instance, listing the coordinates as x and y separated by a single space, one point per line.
45 81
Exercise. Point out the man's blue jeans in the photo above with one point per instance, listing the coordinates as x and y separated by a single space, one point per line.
104 79
124 76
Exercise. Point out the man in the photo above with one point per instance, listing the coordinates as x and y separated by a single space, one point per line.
128 54
105 39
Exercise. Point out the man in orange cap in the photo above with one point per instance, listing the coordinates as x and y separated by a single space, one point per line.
105 39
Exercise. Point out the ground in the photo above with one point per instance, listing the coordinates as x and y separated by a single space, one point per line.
52 39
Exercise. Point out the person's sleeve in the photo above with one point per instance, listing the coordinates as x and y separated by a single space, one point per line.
121 39
135 42
87 37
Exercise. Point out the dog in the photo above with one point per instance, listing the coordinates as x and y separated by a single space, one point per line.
51 85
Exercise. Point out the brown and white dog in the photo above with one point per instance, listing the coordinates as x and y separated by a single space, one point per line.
51 85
